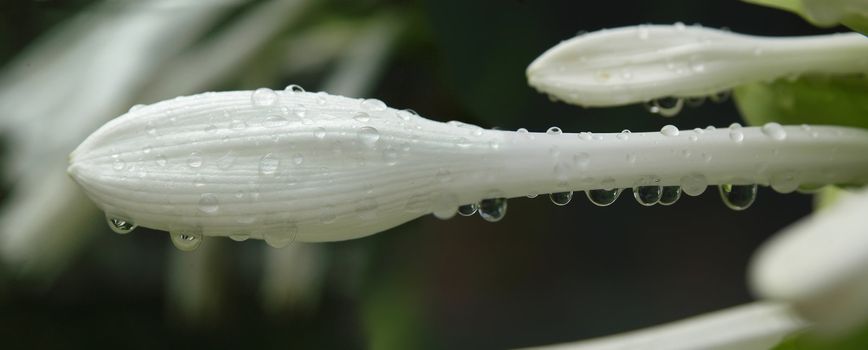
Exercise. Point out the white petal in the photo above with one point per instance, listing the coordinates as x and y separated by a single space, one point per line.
636 64
327 167
820 265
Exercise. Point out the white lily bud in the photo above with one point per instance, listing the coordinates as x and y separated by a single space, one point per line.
637 64
318 167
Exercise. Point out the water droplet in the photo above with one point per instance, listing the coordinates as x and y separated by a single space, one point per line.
720 96
367 208
369 136
603 197
321 98
268 164
738 197
390 155
669 130
282 239
373 105
136 107
186 242
118 163
670 195
694 184
239 237
775 131
292 88
492 209
120 225
522 131
161 160
736 135
666 106
679 26
208 203
274 121
647 195
319 133
623 135
362 117
561 198
263 97
467 209
785 182
297 159
554 131
151 128
195 160
642 32
585 136
237 124
226 161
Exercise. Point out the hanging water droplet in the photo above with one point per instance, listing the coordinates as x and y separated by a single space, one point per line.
738 197
268 164
186 242
554 131
784 182
670 195
647 195
195 160
263 97
281 239
120 225
492 209
532 196
208 203
603 197
467 209
561 198
775 131
239 237
669 130
373 105
720 96
694 184
666 106
292 88
369 136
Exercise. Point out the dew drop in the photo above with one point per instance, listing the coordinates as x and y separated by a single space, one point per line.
738 197
390 155
522 131
282 239
603 197
319 133
263 97
554 131
669 130
362 117
785 182
736 135
268 164
136 107
647 195
237 124
293 88
274 121
118 163
186 242
195 160
239 237
297 159
467 209
623 135
492 209
561 198
775 131
670 195
585 136
161 160
694 184
120 225
373 105
666 106
369 136
208 203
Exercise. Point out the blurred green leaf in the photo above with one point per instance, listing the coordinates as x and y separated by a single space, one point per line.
856 340
822 100
848 10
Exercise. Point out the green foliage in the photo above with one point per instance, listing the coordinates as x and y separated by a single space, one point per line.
821 100
856 340
855 21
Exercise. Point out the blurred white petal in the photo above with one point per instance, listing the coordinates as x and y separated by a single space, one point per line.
757 326
636 64
820 265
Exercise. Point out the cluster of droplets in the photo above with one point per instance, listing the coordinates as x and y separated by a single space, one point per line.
490 209
671 106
